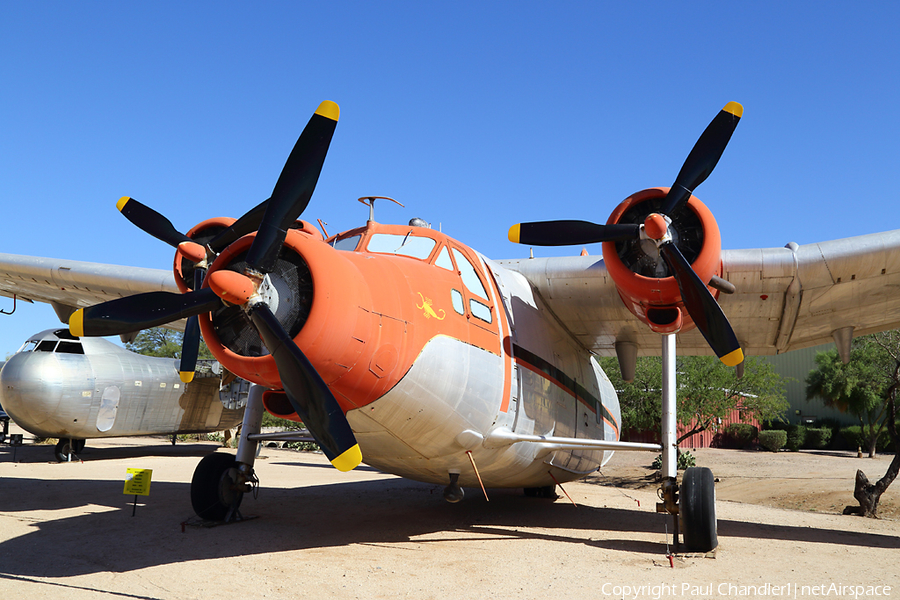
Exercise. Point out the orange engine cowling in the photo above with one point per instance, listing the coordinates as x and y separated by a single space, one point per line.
200 233
317 295
642 277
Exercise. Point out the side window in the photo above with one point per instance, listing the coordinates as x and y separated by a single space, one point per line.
443 260
457 300
479 310
28 346
469 275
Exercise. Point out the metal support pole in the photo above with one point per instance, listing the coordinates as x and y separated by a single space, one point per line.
253 413
669 400
670 435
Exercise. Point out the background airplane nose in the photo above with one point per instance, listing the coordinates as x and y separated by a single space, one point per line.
33 386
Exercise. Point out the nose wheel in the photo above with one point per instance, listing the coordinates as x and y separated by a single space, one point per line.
68 449
221 479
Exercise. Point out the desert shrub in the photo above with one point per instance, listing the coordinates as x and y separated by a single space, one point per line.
773 440
817 437
796 436
685 460
856 437
741 434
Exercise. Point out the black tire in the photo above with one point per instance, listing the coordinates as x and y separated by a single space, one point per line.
78 446
211 493
698 509
64 448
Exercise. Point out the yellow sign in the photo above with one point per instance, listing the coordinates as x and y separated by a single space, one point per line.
137 482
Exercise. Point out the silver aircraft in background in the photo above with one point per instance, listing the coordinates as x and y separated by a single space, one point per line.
61 386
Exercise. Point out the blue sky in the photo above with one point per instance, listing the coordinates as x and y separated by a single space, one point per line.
473 115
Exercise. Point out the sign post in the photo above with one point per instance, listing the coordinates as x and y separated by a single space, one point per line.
137 482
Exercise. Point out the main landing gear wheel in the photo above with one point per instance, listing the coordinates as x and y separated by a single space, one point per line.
66 447
698 509
214 494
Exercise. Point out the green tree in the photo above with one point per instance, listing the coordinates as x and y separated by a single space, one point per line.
159 341
857 388
873 373
707 391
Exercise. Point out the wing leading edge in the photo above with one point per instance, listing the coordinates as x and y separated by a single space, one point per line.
68 285
786 299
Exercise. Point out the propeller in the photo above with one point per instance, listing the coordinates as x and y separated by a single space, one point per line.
190 341
699 302
305 388
160 227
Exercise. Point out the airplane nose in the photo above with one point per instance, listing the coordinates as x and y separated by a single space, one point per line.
32 391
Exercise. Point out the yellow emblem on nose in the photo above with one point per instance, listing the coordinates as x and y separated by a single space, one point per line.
429 311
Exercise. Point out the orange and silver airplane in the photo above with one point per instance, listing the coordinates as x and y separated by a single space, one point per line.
401 347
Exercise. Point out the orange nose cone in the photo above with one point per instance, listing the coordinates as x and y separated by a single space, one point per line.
231 287
655 226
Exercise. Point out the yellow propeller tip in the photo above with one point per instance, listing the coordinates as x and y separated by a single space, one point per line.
734 108
514 233
76 323
122 202
329 110
349 460
186 376
733 358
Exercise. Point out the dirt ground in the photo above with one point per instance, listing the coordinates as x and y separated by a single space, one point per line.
68 531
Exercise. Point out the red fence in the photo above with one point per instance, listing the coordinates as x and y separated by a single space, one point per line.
709 438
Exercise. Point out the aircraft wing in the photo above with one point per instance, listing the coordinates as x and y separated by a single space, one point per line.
786 299
68 285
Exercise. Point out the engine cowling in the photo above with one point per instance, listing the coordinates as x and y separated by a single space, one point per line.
315 294
642 277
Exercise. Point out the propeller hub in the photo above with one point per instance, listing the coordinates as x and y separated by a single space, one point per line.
656 226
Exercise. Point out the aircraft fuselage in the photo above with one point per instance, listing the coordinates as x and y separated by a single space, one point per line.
65 387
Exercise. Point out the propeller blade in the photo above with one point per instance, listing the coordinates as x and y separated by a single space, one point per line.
190 342
703 157
569 233
150 221
308 393
703 308
295 186
246 224
141 311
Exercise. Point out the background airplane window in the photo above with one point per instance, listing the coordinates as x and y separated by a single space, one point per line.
479 310
46 346
457 300
443 260
28 346
70 348
347 243
469 275
401 245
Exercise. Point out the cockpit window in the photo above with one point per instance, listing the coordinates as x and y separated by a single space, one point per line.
443 260
401 245
469 275
347 243
28 346
46 346
70 347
